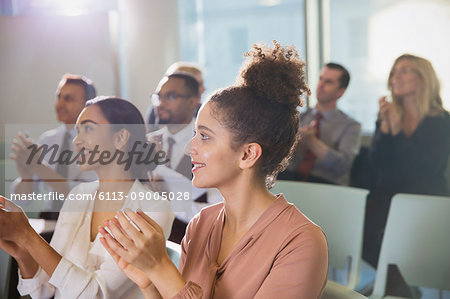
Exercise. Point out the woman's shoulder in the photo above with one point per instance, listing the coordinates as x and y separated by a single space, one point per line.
302 236
284 231
209 213
439 119
206 218
298 222
435 125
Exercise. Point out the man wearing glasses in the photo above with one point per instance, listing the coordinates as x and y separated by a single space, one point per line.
176 98
175 101
180 66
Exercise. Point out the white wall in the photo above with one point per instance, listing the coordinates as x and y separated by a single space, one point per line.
35 51
148 34
125 55
124 52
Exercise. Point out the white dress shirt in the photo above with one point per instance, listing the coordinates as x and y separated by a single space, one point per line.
181 138
86 270
74 177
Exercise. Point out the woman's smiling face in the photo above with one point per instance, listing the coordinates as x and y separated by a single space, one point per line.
93 132
216 163
404 79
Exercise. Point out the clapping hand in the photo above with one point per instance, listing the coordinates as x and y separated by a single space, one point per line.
13 223
21 152
390 116
307 132
136 253
133 273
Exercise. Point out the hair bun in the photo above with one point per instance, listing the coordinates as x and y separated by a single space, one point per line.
275 73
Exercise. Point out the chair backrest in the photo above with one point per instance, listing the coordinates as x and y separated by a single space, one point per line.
174 251
336 291
4 261
339 211
417 240
447 172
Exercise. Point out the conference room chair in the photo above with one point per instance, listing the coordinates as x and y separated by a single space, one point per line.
339 211
417 241
334 290
174 252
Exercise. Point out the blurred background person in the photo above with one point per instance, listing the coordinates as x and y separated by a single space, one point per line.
329 138
175 100
189 68
71 95
410 147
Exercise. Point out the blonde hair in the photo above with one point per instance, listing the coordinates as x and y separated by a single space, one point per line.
428 98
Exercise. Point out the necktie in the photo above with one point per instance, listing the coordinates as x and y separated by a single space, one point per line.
185 166
171 142
63 168
305 167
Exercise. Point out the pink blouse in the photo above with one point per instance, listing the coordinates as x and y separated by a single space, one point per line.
283 255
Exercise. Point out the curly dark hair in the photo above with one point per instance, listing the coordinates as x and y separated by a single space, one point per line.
262 106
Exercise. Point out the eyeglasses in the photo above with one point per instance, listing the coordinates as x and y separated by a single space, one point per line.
170 97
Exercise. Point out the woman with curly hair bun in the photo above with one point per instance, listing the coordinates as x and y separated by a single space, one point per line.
254 244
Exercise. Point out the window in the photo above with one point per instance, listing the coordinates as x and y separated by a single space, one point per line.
54 7
217 33
367 36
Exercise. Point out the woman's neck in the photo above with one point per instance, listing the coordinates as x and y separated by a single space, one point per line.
114 179
410 108
115 186
411 115
112 191
245 200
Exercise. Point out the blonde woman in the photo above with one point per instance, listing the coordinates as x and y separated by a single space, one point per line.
411 144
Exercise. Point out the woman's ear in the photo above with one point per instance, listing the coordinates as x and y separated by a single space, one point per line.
121 138
251 153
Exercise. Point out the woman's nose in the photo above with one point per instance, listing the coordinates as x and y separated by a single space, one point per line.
77 142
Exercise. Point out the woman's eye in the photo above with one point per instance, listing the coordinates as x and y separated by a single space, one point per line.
204 137
194 132
88 128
